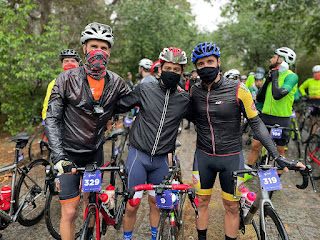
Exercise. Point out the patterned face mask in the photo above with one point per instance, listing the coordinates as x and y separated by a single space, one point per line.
96 65
69 66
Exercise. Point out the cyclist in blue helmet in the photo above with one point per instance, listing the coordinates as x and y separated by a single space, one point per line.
217 104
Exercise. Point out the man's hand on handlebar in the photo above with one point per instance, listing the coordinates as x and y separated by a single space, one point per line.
66 167
285 163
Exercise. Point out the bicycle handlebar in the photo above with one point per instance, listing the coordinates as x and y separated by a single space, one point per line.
180 187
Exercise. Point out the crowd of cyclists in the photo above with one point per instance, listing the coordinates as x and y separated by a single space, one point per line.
85 96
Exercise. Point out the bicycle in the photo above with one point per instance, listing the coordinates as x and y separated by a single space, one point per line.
171 221
110 216
27 196
53 207
271 226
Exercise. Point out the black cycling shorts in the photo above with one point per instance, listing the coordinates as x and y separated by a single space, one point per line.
283 122
69 184
206 167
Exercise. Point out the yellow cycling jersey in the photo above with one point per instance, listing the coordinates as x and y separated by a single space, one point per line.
313 87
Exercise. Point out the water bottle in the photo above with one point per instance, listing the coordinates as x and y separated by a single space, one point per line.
244 193
110 193
251 196
5 198
175 195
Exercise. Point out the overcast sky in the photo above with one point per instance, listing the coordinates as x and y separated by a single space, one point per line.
207 16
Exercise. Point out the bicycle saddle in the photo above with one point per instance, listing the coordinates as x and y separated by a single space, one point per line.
21 139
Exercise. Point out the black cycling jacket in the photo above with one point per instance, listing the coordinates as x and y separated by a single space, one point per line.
72 124
155 129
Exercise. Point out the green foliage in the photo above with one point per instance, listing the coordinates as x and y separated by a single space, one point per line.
27 65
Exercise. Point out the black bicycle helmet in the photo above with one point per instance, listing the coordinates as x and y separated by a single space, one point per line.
69 53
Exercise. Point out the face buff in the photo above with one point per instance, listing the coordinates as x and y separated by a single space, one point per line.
316 76
96 63
69 66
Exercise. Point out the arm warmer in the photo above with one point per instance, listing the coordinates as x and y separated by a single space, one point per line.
263 135
261 95
277 92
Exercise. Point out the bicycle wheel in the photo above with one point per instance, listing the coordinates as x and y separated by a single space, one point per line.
313 146
90 232
38 147
29 192
306 128
53 215
165 231
274 227
119 198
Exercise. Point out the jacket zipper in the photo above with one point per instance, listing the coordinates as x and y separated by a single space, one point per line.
211 129
164 112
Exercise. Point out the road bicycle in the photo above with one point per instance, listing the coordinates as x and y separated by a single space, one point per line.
95 225
27 200
39 147
53 207
271 226
170 203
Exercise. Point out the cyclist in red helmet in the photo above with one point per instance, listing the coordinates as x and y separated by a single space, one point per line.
154 132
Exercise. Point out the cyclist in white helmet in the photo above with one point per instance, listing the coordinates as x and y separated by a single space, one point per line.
145 65
81 103
232 74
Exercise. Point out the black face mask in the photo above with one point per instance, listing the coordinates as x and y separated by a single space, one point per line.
208 74
170 79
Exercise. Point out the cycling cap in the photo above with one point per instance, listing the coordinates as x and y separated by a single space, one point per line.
316 68
97 31
69 53
146 63
203 50
260 70
174 55
186 74
287 53
258 76
231 74
155 67
243 77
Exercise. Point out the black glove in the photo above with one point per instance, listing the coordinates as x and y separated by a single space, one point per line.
65 166
283 162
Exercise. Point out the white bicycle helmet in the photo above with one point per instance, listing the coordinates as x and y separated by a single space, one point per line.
97 31
146 63
231 74
243 77
316 69
288 54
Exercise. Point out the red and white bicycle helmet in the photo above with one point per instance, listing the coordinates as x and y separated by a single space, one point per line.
174 55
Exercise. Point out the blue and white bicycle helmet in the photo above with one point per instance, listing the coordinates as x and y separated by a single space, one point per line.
203 50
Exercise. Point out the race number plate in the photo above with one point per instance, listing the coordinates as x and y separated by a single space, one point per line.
91 181
164 201
276 133
269 179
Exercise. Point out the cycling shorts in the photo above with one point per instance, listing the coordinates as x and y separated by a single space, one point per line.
206 167
143 168
315 110
283 122
69 184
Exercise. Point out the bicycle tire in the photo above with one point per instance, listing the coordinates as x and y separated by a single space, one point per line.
274 226
53 215
164 230
312 144
29 187
84 232
306 128
36 150
119 198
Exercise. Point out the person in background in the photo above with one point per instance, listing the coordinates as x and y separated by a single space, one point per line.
129 80
243 78
145 65
192 81
258 81
69 59
155 69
